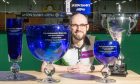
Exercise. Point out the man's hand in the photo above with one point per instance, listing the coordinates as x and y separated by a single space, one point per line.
43 66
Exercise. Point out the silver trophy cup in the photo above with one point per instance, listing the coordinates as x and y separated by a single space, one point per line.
119 26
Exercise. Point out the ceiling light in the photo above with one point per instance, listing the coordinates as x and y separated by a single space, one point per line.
123 2
8 2
95 2
34 2
3 0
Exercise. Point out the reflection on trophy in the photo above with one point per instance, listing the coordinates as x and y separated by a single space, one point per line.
119 25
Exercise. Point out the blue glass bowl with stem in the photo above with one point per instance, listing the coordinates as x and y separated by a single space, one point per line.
48 43
106 52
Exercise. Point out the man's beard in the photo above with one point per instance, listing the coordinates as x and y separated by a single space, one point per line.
79 38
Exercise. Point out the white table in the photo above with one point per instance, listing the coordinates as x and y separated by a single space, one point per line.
67 78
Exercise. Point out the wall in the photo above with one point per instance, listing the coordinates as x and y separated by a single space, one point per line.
130 50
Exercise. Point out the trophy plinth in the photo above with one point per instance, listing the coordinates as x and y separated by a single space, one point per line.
118 70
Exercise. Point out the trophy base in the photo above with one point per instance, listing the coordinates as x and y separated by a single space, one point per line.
48 81
8 76
118 70
104 80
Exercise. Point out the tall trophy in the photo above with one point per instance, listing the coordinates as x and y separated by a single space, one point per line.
48 43
119 26
14 40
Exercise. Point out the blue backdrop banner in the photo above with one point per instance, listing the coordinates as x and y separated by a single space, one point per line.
82 6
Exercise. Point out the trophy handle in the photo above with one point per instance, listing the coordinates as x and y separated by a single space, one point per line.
134 22
104 17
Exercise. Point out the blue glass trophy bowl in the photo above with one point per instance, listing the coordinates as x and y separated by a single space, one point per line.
48 43
14 40
106 52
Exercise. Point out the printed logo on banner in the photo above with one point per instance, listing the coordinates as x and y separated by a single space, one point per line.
81 6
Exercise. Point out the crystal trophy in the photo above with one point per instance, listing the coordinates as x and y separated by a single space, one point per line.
14 40
119 26
48 43
106 52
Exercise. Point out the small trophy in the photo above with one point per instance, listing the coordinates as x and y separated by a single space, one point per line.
119 25
14 33
14 40
106 52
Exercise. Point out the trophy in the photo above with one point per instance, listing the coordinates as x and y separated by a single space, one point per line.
14 40
119 26
48 43
68 8
106 52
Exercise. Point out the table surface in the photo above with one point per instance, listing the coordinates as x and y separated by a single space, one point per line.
33 77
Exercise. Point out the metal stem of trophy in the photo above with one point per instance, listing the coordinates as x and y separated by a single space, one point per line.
119 68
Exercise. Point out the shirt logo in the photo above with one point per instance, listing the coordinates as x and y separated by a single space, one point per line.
87 54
